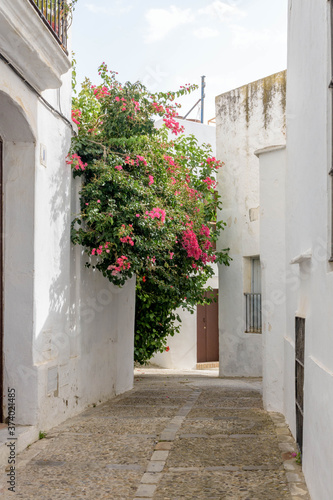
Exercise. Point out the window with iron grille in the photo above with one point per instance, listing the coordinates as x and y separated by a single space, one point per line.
299 378
253 298
54 14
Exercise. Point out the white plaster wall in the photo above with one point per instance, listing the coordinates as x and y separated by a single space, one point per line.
69 333
247 118
205 134
273 265
183 345
308 197
86 322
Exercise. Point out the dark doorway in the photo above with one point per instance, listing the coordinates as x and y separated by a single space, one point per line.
208 331
299 378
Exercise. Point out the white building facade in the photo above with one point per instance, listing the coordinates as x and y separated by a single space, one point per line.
67 333
295 242
296 248
247 118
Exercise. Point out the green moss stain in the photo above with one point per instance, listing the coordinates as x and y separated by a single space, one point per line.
246 98
273 85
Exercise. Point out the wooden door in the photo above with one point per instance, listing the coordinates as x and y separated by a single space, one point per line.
208 331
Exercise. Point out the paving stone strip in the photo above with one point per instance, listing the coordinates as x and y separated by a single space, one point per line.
158 459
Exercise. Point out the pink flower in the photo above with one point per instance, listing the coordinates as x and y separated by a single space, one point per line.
141 158
171 255
151 180
117 99
98 201
118 167
137 215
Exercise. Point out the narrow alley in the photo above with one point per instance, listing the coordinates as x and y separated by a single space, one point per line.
176 435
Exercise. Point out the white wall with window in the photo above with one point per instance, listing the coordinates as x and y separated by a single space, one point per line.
247 118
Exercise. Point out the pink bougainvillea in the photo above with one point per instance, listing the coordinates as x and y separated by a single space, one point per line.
191 245
158 213
122 264
76 162
76 116
211 183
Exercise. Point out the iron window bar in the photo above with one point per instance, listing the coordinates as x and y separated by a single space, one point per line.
53 13
253 313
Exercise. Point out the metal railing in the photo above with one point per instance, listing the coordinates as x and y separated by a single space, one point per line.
54 15
253 312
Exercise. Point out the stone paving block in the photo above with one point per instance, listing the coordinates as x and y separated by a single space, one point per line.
155 466
146 490
283 430
188 436
168 436
293 477
183 469
288 466
283 438
159 455
295 490
123 467
285 447
151 477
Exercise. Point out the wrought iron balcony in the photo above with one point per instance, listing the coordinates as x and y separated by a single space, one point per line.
54 14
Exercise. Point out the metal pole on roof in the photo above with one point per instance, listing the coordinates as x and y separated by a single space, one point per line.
203 85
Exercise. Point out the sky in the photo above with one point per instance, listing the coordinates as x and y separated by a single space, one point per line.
166 44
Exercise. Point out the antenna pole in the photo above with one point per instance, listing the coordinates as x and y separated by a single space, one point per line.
203 85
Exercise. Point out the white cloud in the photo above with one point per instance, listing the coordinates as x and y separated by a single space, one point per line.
222 10
205 32
162 21
117 9
242 37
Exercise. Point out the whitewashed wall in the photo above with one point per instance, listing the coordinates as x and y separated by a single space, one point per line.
303 260
68 333
183 346
247 118
273 278
308 209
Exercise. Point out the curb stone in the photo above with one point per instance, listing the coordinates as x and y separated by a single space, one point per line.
287 444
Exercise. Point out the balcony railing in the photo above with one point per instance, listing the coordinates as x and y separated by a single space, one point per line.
54 15
253 312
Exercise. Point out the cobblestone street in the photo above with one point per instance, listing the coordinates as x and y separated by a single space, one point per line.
175 436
